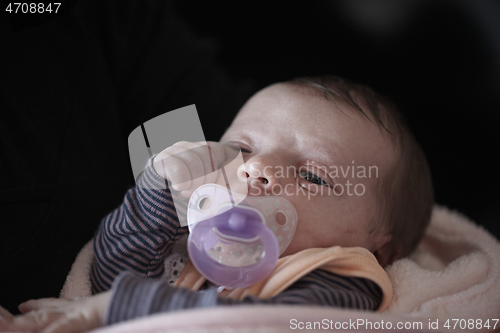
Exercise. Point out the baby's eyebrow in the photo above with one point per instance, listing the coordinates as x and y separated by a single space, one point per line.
240 136
330 155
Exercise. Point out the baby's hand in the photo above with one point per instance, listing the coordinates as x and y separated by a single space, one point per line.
189 165
52 315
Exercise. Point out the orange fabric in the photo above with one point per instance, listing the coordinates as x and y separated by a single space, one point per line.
352 261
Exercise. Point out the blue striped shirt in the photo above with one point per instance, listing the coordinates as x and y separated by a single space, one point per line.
139 235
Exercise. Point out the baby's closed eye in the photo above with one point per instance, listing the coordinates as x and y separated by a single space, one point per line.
311 177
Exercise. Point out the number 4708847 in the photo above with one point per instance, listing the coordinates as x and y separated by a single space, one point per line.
32 7
470 324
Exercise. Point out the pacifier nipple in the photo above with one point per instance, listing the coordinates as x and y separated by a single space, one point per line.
236 221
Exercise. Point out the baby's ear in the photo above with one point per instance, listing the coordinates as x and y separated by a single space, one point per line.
385 252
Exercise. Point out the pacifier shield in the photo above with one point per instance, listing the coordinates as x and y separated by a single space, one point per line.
277 212
237 245
233 254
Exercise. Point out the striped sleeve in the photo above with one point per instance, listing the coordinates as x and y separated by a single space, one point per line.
139 234
134 297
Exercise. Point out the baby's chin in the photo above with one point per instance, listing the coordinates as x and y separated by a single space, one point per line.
293 249
296 247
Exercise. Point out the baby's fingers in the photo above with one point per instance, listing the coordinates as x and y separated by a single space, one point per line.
173 169
218 153
4 314
74 324
36 304
207 158
30 322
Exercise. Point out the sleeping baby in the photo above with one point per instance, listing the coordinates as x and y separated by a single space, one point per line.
360 186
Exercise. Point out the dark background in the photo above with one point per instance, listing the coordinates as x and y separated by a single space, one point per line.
73 87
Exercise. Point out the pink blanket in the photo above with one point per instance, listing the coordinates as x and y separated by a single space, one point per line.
451 282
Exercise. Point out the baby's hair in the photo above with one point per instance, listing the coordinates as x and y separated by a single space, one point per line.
405 191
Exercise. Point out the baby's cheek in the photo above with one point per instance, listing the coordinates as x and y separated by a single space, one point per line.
296 245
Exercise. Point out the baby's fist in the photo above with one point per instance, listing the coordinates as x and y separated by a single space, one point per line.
188 165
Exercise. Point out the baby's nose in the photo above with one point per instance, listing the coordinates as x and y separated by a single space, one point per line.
259 177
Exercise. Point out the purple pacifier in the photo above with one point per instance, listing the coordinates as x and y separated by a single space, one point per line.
237 245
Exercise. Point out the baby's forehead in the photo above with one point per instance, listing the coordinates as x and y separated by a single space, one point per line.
292 95
311 117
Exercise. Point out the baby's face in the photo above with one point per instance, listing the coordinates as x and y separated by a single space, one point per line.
293 142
